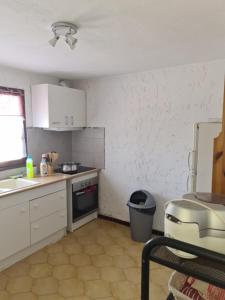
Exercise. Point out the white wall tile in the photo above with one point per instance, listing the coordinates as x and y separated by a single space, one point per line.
42 141
88 147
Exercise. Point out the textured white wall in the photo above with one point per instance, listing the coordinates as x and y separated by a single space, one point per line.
148 119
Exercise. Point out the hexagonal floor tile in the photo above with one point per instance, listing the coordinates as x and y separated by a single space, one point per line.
58 258
19 284
71 287
133 274
4 295
3 281
64 272
51 297
39 257
97 289
79 260
54 248
45 286
123 261
19 269
79 298
88 273
23 296
112 274
98 261
102 260
72 248
93 249
125 290
114 250
40 270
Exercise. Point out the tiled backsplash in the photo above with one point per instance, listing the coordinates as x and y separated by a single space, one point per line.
88 147
42 141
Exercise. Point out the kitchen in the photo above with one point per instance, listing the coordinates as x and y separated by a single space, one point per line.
138 130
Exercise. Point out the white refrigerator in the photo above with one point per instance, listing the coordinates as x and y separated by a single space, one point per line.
200 159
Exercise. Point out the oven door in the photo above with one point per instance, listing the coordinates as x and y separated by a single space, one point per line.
85 201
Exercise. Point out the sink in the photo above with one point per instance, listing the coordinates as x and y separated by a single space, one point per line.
7 185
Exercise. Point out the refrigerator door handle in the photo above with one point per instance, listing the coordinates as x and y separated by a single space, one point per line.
187 183
189 156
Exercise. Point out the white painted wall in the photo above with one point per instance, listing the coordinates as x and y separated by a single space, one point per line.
148 119
39 141
14 78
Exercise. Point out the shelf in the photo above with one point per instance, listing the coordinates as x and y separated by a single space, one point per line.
208 267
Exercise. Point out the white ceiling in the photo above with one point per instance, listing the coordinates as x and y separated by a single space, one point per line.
115 36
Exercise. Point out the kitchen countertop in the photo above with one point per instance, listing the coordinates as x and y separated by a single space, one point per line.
42 181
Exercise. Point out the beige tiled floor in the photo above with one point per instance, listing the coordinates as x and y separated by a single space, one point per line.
98 261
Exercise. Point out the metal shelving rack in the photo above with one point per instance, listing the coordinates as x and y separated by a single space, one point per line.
209 266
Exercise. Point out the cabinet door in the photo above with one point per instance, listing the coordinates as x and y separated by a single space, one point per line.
77 108
57 102
14 229
67 107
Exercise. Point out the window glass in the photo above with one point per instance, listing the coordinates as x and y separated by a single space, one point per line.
12 128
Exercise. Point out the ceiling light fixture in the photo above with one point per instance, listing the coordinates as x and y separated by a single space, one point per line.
66 31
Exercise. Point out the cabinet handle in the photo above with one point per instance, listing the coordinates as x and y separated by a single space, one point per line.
71 118
66 120
36 227
56 123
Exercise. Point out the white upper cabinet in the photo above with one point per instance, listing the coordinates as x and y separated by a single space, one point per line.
58 107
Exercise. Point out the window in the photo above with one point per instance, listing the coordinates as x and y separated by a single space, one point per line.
13 148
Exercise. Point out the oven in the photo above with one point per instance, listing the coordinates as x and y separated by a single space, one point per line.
84 198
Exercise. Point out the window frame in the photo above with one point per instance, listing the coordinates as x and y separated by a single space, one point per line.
18 163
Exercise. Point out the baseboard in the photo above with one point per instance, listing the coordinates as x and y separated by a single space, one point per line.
113 220
156 232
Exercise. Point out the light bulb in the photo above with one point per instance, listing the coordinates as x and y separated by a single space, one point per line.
71 41
54 40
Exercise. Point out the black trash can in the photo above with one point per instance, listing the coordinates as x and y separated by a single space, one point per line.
142 208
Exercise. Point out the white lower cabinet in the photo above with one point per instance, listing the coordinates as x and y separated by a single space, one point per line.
47 205
29 217
48 225
14 229
48 214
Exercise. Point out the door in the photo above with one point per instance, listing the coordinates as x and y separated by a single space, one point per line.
14 229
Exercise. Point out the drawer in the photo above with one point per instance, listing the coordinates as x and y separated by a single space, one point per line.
47 205
46 226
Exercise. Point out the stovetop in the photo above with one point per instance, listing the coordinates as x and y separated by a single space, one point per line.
80 169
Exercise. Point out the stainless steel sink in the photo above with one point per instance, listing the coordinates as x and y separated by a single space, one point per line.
7 185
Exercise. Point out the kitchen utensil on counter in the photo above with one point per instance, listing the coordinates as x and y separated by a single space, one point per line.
44 165
51 158
69 167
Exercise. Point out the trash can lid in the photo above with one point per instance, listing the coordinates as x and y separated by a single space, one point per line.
141 199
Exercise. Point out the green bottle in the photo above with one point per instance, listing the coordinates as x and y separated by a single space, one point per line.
29 167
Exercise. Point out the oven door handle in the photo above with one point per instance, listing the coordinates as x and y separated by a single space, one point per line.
79 193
